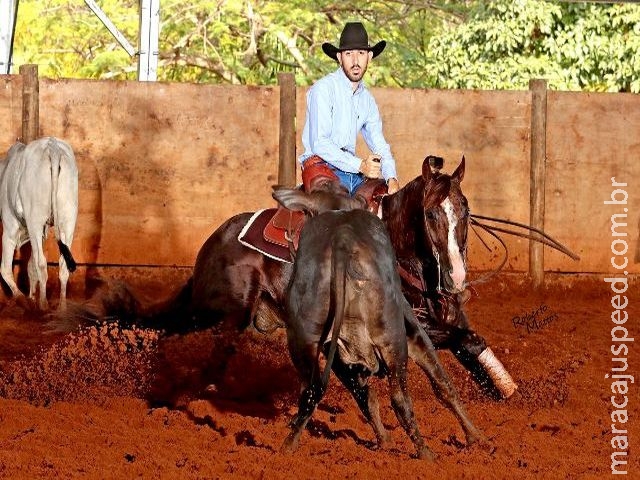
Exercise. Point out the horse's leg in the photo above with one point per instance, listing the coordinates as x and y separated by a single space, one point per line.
472 352
356 381
466 345
422 351
266 315
467 348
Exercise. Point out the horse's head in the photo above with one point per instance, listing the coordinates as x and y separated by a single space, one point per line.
445 217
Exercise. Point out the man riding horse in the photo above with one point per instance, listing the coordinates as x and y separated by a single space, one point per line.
338 107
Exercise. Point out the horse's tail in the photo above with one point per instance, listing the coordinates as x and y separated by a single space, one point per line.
115 302
172 315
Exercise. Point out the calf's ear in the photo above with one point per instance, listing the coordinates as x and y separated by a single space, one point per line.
294 199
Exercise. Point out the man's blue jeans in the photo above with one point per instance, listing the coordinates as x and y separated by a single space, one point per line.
350 180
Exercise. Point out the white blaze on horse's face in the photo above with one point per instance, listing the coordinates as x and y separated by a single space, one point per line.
456 261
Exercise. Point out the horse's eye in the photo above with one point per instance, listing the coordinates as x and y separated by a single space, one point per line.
431 214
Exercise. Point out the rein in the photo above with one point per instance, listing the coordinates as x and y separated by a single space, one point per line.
492 229
543 237
535 234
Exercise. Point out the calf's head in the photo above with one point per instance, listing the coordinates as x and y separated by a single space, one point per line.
329 196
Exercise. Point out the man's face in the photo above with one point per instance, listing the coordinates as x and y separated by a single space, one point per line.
354 63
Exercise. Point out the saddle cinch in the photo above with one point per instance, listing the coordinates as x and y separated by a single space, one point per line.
275 231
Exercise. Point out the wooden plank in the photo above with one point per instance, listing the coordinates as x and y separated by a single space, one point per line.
287 149
591 138
490 128
162 165
538 158
10 111
30 103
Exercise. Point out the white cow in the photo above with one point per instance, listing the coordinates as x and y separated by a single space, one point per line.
38 188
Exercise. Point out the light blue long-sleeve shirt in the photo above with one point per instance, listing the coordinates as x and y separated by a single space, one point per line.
335 115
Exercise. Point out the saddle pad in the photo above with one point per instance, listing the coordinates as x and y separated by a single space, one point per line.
252 236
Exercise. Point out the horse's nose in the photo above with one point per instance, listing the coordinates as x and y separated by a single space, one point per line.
457 277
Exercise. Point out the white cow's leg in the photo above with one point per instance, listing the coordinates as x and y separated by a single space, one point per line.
32 271
63 274
6 266
66 229
37 254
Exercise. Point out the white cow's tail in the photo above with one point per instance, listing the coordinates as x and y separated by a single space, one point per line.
55 154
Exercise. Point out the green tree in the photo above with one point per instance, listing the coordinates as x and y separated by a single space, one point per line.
67 40
504 43
498 44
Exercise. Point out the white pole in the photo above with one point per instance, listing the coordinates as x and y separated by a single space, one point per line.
8 10
111 27
149 33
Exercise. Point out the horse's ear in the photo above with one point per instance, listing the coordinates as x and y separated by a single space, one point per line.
458 174
431 165
294 199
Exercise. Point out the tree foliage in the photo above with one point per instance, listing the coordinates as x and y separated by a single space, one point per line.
498 44
575 46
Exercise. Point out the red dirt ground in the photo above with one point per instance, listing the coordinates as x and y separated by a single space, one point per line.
106 403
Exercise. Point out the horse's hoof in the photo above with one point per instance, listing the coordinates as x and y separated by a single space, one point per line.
266 321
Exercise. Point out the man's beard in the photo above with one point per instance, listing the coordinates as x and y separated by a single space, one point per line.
352 76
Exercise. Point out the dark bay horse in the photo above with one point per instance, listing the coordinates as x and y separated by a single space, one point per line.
233 286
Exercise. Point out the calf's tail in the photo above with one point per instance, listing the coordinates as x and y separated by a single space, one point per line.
341 255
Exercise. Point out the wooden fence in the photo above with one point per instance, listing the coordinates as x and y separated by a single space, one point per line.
163 164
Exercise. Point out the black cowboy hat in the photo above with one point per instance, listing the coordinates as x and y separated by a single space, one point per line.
353 37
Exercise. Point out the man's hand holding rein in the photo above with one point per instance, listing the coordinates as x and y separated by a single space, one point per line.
370 167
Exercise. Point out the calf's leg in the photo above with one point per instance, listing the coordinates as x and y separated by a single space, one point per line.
421 350
401 403
305 359
354 378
